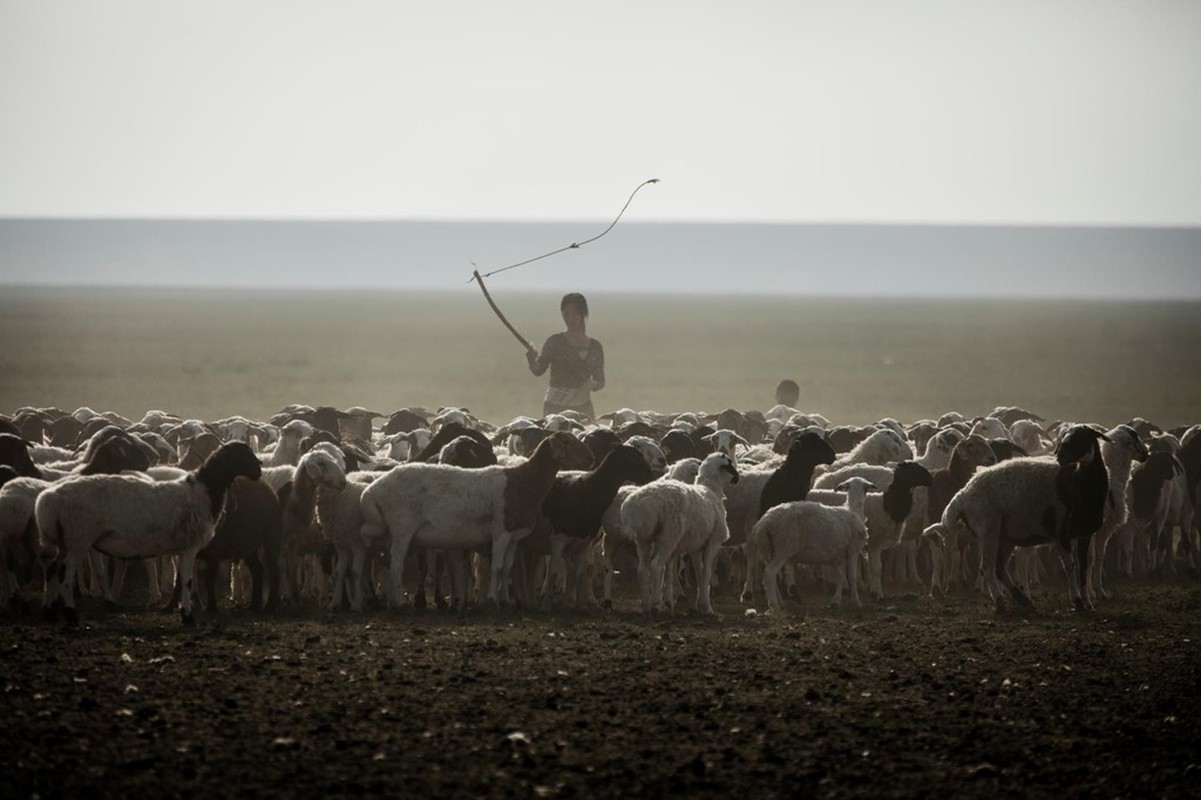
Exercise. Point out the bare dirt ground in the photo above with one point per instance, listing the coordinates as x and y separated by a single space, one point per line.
910 697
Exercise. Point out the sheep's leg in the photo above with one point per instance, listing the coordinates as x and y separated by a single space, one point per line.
909 550
423 574
255 565
644 574
936 563
101 585
500 543
211 568
515 592
658 567
771 582
751 562
396 568
875 569
358 563
991 566
1083 603
67 575
52 587
154 596
1096 584
166 580
1004 551
187 572
852 578
458 564
704 577
341 564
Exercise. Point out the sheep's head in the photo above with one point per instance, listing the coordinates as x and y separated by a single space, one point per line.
567 451
235 459
655 458
1080 444
724 440
975 451
627 462
323 468
945 440
1125 436
719 467
909 474
810 448
856 482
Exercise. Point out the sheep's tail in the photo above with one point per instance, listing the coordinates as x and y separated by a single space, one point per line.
954 511
374 526
759 544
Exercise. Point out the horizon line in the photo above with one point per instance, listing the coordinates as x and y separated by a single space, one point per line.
748 295
832 223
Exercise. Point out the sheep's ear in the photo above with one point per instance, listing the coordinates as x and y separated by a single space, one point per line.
740 440
708 438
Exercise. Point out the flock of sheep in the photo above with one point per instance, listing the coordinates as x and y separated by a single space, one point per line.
326 505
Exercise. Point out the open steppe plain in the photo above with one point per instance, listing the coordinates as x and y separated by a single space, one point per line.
914 697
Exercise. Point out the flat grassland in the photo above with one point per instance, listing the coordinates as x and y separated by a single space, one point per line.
210 354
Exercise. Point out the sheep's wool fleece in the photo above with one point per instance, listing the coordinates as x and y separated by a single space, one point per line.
127 516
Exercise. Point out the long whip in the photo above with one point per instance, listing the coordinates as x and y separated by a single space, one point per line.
478 278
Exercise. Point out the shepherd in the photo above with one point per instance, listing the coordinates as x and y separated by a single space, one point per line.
576 361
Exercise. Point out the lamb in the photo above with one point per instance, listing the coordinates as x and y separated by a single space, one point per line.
669 518
340 515
1124 447
1032 501
287 449
815 534
130 517
439 506
790 481
759 491
937 454
300 536
886 514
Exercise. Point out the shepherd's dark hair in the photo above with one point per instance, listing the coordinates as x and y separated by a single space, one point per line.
574 299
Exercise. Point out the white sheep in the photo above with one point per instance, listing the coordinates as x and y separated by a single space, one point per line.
1031 501
881 447
814 534
725 441
670 518
287 449
886 514
340 517
1119 454
447 507
131 517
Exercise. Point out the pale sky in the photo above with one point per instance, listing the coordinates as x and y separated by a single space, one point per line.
1047 113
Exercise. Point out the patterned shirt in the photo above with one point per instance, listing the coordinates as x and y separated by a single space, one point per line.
571 367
